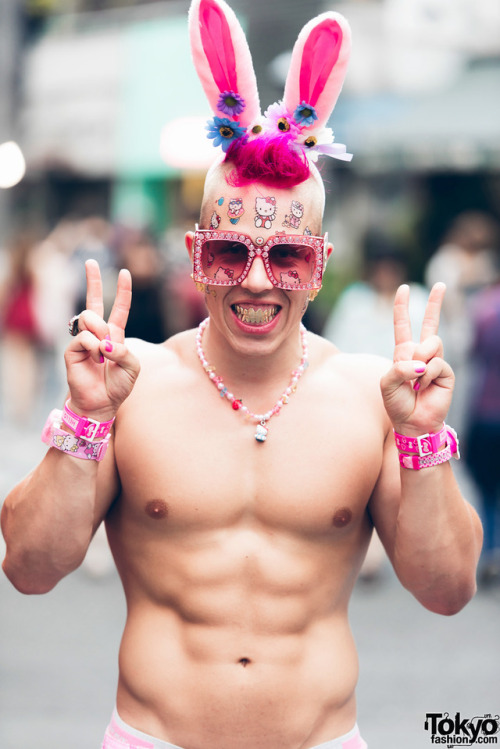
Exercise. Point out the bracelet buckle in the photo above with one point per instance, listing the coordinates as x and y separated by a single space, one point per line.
85 427
429 443
89 430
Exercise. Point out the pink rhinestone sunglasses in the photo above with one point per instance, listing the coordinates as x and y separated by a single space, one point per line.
292 261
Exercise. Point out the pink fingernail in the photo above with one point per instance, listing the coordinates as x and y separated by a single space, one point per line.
108 346
417 385
101 358
419 370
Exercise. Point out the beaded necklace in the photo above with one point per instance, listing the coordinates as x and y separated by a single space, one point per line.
260 419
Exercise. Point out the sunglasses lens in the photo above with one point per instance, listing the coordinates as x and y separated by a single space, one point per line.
292 264
223 260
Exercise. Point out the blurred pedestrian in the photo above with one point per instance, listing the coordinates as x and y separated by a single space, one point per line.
139 253
20 331
56 285
465 262
483 434
362 319
94 240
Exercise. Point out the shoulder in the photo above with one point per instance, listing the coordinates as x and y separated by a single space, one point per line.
166 361
363 370
346 387
331 357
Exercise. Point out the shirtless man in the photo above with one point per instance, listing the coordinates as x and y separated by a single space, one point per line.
238 534
238 558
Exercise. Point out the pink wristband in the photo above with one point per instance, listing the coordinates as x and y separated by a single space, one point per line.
53 436
427 449
415 462
425 444
87 429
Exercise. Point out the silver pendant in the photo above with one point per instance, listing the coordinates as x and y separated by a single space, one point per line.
261 432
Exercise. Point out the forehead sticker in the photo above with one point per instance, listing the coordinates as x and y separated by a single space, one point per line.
214 220
265 209
308 232
235 210
294 217
220 201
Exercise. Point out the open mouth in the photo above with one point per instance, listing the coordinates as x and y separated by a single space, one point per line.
255 315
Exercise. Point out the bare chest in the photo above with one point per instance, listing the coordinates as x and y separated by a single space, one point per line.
185 468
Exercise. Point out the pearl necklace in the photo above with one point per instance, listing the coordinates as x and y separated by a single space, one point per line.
260 419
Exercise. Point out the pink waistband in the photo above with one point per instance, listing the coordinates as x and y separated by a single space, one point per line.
119 735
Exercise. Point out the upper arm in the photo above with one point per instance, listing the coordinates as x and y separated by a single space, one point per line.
386 496
108 484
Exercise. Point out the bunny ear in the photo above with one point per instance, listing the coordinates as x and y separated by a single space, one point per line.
223 61
318 67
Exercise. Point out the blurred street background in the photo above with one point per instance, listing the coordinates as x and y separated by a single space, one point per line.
103 154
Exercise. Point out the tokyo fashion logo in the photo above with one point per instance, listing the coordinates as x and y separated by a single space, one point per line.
460 731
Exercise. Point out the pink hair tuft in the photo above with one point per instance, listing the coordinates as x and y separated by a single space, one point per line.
269 159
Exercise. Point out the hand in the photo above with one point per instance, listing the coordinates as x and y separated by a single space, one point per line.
101 370
417 389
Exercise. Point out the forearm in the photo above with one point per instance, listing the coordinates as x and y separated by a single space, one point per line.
437 540
48 521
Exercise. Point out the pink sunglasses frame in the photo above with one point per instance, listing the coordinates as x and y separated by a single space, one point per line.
318 244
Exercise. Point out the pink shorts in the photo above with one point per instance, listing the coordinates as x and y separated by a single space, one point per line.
121 736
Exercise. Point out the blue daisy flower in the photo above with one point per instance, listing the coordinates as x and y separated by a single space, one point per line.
230 103
305 114
223 132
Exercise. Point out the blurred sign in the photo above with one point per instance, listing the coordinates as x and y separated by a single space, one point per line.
96 101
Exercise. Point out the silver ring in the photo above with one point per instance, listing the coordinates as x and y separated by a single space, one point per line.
73 325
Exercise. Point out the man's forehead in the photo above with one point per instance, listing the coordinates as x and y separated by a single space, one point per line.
307 194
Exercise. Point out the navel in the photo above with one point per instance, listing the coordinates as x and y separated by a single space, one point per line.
156 509
244 662
342 517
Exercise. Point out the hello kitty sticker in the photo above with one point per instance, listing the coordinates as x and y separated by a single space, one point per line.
265 209
296 212
235 210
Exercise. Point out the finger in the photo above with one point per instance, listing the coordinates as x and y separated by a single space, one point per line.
402 326
121 306
121 355
401 372
89 320
432 313
437 372
94 287
85 343
428 349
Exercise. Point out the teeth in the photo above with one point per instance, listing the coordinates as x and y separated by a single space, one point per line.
256 315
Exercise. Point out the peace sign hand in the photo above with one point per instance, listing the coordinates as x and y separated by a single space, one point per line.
417 389
101 370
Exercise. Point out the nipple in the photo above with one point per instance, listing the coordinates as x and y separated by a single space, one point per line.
157 509
342 517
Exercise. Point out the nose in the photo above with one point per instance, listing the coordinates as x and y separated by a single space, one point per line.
257 279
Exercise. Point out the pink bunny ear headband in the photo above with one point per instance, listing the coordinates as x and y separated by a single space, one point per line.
317 70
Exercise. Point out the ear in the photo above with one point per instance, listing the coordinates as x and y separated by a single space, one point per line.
189 242
222 58
318 66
